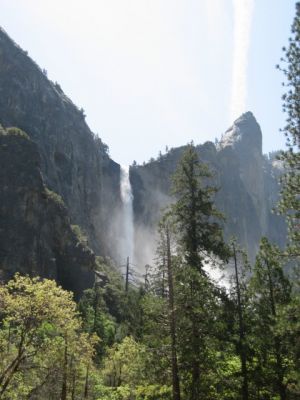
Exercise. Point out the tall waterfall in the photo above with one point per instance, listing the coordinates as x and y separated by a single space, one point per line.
127 245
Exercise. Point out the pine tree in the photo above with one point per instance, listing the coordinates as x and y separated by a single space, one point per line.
165 231
196 216
199 237
289 328
240 298
271 291
290 194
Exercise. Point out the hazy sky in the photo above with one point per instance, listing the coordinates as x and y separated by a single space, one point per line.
151 73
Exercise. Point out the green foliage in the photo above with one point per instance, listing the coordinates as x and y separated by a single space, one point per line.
17 132
269 278
104 392
97 320
242 318
229 345
153 392
290 201
41 341
271 293
288 327
13 131
79 234
156 337
125 364
53 196
195 213
199 236
108 311
149 392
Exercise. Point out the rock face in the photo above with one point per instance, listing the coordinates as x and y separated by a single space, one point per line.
244 137
74 163
36 235
247 182
57 179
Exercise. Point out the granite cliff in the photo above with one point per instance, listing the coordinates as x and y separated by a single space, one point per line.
58 158
36 235
247 180
60 202
74 162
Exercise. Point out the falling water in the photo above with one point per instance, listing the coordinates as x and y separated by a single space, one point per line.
127 245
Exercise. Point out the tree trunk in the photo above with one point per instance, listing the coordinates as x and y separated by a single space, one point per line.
277 345
242 350
13 367
65 373
195 394
86 386
172 321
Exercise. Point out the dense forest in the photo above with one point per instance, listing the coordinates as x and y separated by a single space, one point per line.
179 333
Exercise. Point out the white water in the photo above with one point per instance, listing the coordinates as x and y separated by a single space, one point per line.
127 242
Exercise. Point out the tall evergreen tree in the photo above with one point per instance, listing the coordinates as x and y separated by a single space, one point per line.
165 252
289 328
290 194
271 291
240 297
196 217
200 236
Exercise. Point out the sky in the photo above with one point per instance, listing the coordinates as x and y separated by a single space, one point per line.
157 73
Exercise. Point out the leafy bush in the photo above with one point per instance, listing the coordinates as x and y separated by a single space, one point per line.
82 237
14 132
153 392
54 197
111 393
40 339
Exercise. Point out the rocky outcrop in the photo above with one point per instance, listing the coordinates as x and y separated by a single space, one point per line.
259 176
248 183
74 162
36 235
244 137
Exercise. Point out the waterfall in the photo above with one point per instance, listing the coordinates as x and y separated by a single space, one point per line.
127 244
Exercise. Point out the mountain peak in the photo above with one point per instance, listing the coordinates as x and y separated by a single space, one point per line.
246 116
244 134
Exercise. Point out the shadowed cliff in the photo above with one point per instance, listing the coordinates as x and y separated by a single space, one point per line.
74 162
36 235
246 178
